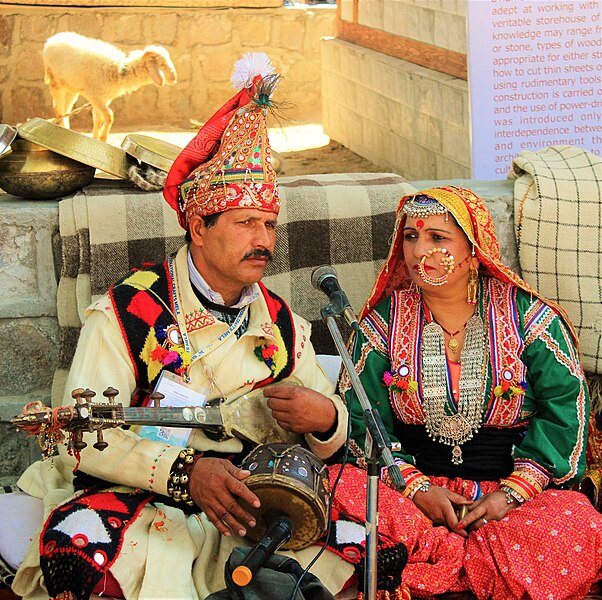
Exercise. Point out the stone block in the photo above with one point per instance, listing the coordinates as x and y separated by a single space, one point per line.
289 33
27 272
450 31
216 65
432 4
371 13
7 24
409 20
182 63
421 162
456 143
346 9
26 101
251 30
3 74
427 96
451 169
126 31
29 64
394 20
38 28
323 25
161 27
400 119
84 22
461 7
303 71
208 28
330 55
33 356
428 132
350 63
453 105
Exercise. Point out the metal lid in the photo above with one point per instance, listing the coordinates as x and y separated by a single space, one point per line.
7 135
150 150
77 146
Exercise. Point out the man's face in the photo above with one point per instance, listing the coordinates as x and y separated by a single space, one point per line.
235 251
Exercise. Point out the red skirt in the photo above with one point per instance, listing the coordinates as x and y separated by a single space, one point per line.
549 548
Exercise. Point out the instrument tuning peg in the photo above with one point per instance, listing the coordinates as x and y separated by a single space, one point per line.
100 443
87 395
110 394
77 441
76 394
156 398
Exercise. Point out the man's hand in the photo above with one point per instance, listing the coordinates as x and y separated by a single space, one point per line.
439 505
299 409
215 486
491 507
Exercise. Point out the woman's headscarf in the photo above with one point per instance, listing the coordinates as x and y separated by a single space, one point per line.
476 222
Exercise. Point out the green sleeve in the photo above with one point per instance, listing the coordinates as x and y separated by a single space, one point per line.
556 397
371 359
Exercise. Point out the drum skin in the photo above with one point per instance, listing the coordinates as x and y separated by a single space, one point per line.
291 480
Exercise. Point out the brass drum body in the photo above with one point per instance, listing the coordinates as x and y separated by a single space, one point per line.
288 479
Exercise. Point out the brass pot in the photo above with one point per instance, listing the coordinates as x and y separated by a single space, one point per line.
32 171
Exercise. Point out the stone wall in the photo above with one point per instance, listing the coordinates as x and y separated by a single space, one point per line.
28 323
204 43
402 116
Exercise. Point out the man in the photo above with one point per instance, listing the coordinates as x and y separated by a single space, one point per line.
203 325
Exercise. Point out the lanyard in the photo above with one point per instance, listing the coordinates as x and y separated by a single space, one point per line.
182 323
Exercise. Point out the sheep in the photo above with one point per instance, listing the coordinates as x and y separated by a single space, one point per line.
75 65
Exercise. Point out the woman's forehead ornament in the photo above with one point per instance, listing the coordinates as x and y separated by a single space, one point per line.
421 206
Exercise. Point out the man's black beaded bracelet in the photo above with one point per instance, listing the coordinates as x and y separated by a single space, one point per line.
178 481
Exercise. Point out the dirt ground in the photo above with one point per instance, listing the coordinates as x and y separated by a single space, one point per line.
331 158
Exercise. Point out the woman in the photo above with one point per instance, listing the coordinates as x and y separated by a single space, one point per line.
478 380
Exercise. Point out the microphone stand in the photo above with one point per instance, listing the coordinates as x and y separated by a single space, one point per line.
377 445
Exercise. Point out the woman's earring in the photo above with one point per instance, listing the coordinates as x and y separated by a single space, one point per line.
473 285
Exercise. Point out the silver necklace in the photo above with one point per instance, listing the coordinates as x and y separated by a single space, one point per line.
454 430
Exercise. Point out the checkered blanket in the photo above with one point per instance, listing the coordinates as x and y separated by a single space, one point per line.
344 220
558 220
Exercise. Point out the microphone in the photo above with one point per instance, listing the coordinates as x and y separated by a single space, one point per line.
324 278
279 532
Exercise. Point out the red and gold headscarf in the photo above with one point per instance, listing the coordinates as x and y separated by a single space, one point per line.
475 220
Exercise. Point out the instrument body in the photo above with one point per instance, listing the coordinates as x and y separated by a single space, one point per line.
292 480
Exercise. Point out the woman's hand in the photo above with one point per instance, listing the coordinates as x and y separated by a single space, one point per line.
439 505
491 507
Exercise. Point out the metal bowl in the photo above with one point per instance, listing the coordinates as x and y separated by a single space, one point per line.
32 171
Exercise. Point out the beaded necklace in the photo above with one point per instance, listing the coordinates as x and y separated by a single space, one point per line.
458 428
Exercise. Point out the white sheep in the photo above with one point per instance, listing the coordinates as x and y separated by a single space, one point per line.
75 65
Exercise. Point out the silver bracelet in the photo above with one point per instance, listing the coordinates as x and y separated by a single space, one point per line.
512 495
425 486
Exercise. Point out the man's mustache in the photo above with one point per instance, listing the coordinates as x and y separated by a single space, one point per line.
259 253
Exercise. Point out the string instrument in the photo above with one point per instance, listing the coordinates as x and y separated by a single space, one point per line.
247 417
86 416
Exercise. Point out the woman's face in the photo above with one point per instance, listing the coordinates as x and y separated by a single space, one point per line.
423 234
